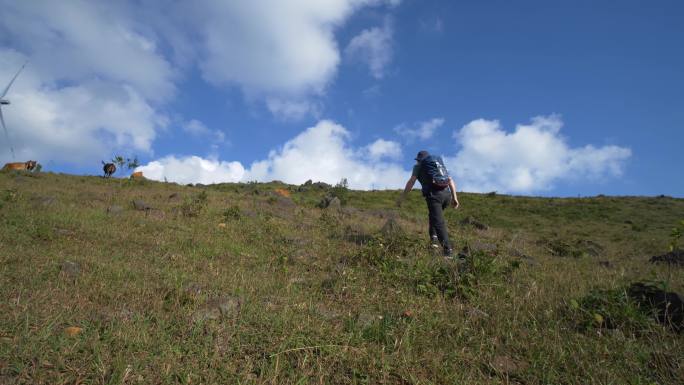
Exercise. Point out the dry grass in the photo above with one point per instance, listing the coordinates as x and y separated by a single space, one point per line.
236 284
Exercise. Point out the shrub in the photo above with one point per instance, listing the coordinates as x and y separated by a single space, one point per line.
609 309
231 213
193 207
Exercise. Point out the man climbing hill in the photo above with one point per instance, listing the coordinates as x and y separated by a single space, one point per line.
439 191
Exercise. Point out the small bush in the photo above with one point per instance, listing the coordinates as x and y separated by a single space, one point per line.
232 213
609 309
193 207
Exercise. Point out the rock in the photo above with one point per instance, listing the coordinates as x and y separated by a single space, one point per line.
506 365
72 331
605 264
667 306
224 307
44 201
174 196
114 210
675 257
472 222
156 214
71 269
141 205
63 232
193 289
330 201
476 314
479 247
589 247
524 257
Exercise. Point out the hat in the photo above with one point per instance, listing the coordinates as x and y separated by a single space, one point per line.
422 155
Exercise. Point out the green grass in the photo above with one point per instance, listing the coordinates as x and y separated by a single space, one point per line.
232 284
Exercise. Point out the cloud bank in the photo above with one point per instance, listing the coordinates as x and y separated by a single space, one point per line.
422 131
102 73
530 159
323 152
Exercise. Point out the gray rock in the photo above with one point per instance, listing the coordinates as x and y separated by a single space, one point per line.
44 201
472 222
71 269
114 210
140 205
156 214
605 264
478 246
223 307
329 201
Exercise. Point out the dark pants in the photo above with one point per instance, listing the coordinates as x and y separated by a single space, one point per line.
437 202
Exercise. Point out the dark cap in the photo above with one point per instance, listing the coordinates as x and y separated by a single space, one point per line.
422 155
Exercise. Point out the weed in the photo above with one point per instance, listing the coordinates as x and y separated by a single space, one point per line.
193 206
231 213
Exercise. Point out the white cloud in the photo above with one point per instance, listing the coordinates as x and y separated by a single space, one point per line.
374 48
196 128
82 123
532 158
101 72
92 84
79 41
193 169
273 50
320 153
292 109
383 149
423 131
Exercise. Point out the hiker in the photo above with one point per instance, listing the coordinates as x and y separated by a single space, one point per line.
439 191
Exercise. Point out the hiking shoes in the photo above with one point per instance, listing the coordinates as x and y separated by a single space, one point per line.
434 242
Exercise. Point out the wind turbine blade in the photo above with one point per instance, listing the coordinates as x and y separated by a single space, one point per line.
12 81
2 120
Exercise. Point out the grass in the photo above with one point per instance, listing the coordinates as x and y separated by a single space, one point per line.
232 283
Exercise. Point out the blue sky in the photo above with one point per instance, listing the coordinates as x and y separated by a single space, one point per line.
526 97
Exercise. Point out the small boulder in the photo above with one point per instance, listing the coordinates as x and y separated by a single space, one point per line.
470 221
330 202
44 201
71 270
141 205
114 210
506 365
223 307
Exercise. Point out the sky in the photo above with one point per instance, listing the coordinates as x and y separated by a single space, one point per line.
526 97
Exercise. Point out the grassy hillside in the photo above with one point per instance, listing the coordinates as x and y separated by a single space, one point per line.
235 283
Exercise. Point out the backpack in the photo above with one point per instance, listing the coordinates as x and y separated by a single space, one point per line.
434 172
